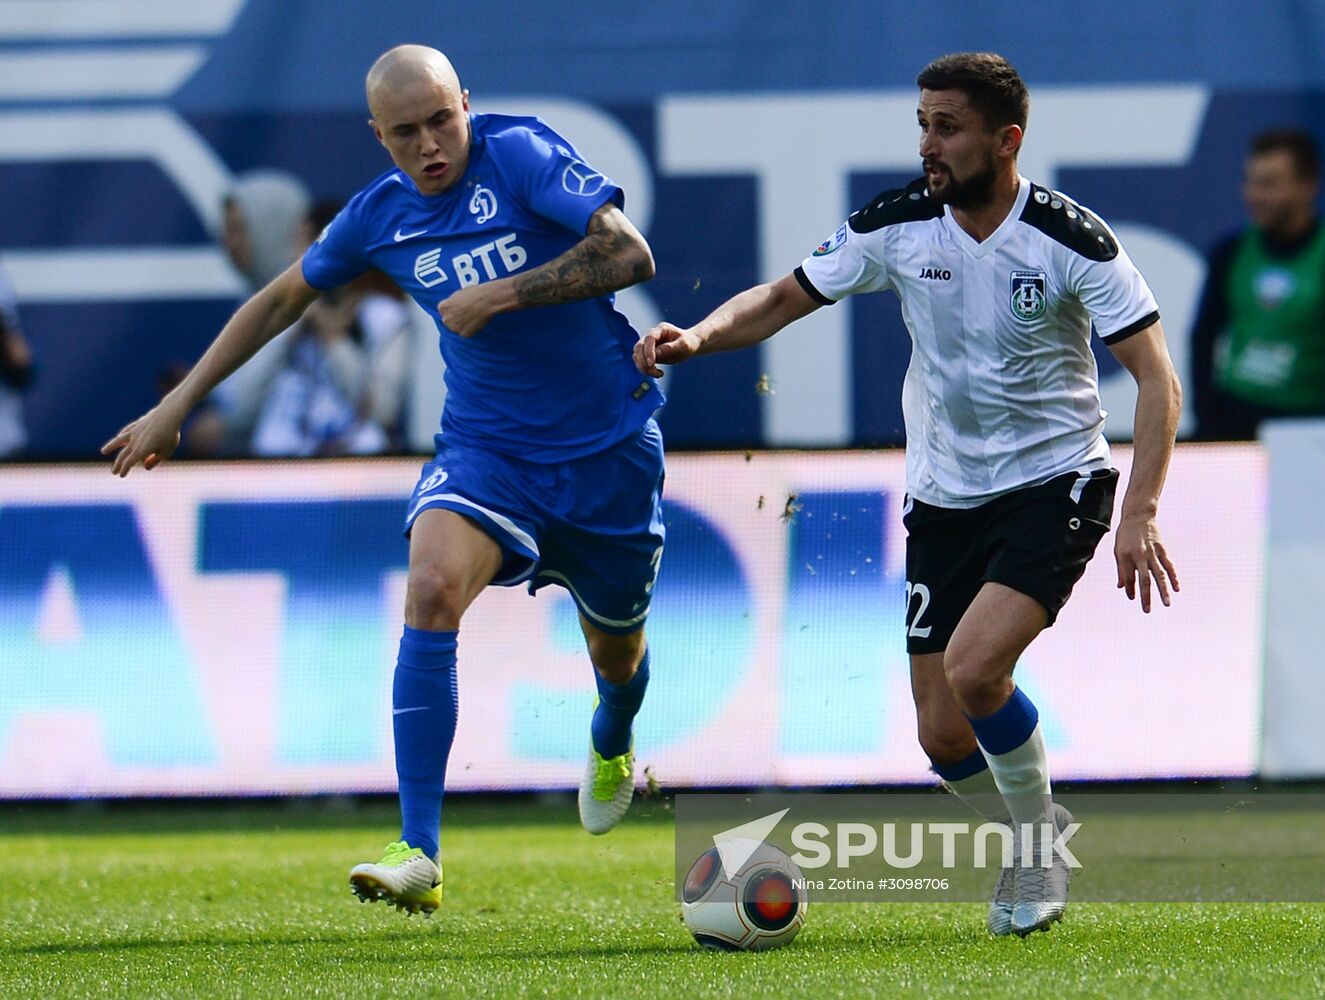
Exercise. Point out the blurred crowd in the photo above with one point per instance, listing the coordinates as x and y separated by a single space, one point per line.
338 382
333 384
15 374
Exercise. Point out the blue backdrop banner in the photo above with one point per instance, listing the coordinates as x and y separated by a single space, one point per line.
742 132
232 629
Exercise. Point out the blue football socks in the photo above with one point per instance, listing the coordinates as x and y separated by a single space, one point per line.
1013 743
424 701
969 766
617 707
1009 727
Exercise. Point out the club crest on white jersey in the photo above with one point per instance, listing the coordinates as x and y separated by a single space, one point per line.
1028 294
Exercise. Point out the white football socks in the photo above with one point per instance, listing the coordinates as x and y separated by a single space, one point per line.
980 792
1022 776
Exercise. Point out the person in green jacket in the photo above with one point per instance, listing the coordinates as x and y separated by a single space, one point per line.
1258 347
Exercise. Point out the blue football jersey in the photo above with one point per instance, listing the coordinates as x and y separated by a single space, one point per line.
545 384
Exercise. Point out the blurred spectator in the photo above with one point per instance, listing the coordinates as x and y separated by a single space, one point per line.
384 315
384 321
1258 347
264 214
15 374
339 390
316 399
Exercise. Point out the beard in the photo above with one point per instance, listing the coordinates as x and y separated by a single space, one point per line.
974 192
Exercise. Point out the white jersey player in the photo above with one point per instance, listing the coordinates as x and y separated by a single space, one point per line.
1000 333
1008 478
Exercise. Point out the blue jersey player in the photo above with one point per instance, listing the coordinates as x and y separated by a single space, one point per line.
549 465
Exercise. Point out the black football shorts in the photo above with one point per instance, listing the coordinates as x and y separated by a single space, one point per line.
1035 540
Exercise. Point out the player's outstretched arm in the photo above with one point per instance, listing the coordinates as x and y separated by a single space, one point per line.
153 437
747 318
1137 548
613 255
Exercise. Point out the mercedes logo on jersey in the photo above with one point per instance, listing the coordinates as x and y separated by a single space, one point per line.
581 179
1028 299
483 205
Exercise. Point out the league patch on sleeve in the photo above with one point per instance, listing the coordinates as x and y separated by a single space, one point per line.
832 243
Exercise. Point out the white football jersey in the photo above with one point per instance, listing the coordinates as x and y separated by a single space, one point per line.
1002 391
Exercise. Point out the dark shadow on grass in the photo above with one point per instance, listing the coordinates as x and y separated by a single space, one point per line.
550 808
370 939
393 947
132 944
523 954
463 811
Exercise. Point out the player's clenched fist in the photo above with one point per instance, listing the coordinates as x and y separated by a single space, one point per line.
664 345
467 311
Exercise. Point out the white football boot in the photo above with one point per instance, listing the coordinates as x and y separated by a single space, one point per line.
1041 893
405 876
606 790
999 918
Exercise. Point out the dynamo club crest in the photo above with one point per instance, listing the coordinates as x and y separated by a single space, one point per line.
1028 294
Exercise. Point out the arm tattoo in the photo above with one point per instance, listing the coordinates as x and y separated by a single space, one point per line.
606 260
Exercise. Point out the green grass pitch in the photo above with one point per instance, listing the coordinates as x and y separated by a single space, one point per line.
253 901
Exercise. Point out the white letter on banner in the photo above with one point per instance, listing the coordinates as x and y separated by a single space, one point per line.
802 173
803 178
1096 127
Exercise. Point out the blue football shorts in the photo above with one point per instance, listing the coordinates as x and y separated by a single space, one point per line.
592 525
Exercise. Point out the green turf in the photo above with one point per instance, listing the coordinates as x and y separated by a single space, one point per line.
253 902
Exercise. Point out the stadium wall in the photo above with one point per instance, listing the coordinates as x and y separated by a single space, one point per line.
1294 687
742 131
231 629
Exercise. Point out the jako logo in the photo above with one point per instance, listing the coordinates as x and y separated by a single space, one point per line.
936 274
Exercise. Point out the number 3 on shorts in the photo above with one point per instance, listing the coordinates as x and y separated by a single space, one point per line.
913 626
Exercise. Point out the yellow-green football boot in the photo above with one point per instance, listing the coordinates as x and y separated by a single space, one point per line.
405 876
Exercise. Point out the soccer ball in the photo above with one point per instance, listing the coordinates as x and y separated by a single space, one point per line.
760 906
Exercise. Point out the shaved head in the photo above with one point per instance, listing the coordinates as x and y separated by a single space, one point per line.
406 65
420 114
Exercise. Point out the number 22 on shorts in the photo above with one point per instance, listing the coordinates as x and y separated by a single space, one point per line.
913 626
